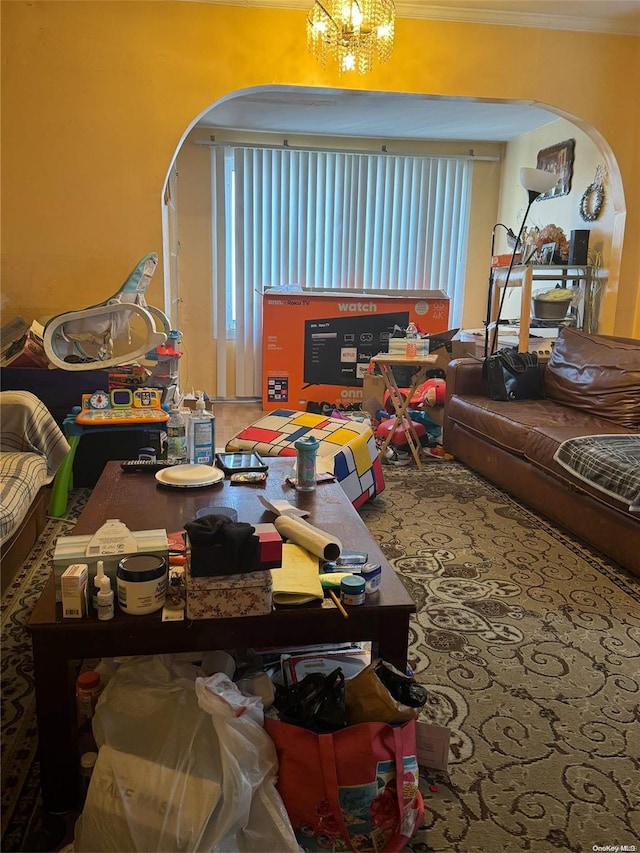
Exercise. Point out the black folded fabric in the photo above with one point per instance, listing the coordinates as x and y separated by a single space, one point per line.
220 546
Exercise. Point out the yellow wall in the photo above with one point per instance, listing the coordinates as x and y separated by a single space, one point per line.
96 97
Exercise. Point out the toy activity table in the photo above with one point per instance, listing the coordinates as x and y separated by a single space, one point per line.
74 431
401 401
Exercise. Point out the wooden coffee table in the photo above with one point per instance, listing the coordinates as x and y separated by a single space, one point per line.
136 500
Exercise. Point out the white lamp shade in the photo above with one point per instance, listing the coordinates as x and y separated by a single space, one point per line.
537 180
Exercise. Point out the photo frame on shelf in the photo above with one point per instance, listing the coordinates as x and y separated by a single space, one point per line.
546 253
559 159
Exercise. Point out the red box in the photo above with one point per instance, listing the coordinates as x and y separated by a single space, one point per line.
270 546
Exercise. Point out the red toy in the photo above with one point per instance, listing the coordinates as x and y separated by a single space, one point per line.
399 438
430 393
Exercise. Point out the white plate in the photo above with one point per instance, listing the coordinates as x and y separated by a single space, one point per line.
189 476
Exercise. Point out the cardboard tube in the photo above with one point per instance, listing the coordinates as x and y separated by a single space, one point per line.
307 536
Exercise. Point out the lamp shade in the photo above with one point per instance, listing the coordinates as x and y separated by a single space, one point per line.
537 180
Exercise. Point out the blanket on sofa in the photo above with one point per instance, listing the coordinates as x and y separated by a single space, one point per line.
610 463
32 447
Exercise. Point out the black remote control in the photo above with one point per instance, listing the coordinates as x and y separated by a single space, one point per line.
145 465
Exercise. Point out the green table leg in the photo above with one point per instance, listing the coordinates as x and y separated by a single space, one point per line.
63 480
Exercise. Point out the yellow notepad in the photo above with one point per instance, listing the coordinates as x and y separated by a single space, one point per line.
298 581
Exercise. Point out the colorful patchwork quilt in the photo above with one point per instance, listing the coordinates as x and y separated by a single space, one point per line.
351 443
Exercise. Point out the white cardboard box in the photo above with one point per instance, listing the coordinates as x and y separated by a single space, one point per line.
73 585
110 543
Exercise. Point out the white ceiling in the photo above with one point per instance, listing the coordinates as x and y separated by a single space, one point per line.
331 112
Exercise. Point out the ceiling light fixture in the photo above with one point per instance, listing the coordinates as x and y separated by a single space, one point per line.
351 32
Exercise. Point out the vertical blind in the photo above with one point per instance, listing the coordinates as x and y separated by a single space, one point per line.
323 219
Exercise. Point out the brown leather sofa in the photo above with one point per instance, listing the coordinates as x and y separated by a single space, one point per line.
591 387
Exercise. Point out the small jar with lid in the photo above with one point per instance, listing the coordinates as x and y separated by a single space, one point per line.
142 583
352 590
88 690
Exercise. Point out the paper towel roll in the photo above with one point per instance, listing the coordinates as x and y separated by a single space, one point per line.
302 533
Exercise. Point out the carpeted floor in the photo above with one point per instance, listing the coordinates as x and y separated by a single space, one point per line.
24 826
527 642
529 646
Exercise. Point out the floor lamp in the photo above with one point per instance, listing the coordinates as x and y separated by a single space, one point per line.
535 182
510 236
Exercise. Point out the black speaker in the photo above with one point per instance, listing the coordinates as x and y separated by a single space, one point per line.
579 246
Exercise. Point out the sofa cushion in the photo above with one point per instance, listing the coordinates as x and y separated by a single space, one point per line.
508 424
597 375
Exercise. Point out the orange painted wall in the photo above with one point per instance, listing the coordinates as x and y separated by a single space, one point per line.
96 97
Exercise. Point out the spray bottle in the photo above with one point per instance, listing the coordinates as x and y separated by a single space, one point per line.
201 433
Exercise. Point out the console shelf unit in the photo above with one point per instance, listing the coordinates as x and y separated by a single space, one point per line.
582 277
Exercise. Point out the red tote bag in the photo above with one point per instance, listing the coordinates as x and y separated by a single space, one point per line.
354 789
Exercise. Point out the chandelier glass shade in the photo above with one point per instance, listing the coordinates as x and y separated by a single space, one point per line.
353 33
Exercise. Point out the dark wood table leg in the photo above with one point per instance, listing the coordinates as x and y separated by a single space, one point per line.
56 712
393 641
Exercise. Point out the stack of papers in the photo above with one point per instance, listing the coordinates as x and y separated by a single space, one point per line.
298 580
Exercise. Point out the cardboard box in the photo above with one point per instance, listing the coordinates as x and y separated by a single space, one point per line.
109 544
398 346
27 350
373 388
141 801
73 584
190 403
455 349
436 413
316 345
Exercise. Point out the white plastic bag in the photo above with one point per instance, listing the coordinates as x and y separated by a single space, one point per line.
184 764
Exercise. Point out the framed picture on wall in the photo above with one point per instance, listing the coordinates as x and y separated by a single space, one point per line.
559 159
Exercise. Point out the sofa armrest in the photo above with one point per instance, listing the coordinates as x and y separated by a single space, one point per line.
28 426
464 377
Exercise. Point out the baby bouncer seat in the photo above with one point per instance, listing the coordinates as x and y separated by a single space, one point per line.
84 340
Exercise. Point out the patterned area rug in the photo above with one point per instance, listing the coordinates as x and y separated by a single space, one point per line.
527 642
529 646
24 827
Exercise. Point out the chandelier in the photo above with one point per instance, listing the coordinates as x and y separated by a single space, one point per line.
351 32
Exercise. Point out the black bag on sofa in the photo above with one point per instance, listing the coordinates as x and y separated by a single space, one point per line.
513 375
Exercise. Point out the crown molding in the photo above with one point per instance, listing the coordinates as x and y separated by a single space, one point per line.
472 15
505 17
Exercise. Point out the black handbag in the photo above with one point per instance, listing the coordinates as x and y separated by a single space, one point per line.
513 375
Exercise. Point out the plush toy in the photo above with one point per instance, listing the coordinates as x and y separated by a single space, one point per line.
433 392
430 393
